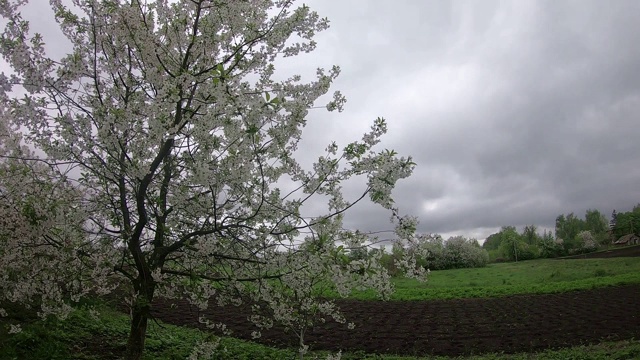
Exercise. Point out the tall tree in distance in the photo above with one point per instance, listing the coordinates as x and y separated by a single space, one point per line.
560 226
511 244
626 223
567 228
492 242
530 234
169 113
597 224
612 226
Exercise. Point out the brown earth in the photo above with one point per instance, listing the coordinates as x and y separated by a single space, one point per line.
522 323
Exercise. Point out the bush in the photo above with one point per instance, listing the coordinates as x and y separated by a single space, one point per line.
529 252
494 254
551 248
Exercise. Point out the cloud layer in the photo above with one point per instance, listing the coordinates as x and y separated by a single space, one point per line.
514 112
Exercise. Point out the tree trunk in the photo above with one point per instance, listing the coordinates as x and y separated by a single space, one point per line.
301 350
140 313
138 331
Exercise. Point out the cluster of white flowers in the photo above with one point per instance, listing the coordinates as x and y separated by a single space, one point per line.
14 328
205 350
587 240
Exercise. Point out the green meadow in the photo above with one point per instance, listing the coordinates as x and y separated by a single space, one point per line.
525 277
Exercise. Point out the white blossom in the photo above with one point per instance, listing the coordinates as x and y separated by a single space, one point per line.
204 350
15 328
336 356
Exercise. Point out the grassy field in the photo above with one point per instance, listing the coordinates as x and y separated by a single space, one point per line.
86 338
525 277
83 337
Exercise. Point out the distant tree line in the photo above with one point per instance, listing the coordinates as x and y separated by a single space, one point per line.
435 253
573 235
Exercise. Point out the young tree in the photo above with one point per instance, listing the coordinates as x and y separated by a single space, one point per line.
180 139
512 245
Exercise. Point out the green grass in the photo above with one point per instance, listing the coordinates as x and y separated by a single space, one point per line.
83 337
524 277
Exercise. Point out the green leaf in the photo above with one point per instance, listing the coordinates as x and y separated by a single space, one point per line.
252 130
376 196
267 95
390 152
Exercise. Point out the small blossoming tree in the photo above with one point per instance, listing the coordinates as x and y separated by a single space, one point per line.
163 144
587 241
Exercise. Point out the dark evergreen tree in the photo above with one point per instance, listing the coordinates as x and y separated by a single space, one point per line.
612 226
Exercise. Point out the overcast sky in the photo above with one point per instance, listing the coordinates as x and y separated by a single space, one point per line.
514 111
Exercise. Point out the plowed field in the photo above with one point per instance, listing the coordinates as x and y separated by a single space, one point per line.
522 323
